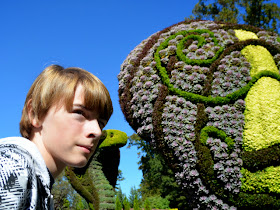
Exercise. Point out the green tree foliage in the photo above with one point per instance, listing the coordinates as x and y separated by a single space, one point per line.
136 203
157 202
219 10
126 205
121 196
134 193
158 179
147 205
259 13
118 204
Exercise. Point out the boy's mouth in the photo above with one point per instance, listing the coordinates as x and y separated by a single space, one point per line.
86 149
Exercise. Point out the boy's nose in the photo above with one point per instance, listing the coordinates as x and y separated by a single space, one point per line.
93 129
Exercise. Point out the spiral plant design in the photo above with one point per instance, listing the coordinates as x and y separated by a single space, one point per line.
206 95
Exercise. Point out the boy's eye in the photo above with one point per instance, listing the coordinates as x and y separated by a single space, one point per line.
78 111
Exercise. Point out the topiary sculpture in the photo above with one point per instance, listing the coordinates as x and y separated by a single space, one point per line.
96 180
109 155
207 96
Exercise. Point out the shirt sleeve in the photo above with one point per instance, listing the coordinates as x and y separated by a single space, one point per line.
16 179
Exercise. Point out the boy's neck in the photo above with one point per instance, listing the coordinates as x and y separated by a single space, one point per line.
52 165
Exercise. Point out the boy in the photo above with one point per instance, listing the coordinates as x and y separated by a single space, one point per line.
62 119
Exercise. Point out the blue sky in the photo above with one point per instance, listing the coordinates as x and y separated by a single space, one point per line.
94 35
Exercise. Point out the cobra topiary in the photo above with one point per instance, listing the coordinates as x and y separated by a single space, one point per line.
96 180
207 96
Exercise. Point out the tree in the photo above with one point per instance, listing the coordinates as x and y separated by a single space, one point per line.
262 15
220 10
126 205
118 204
158 202
147 205
134 193
252 12
121 196
136 203
158 179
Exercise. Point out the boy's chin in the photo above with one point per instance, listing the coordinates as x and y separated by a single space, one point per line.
79 164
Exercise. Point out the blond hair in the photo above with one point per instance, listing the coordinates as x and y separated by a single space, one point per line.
55 85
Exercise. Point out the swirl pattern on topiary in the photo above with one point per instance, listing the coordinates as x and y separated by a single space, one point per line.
191 90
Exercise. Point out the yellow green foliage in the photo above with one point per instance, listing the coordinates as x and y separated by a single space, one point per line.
262 115
260 59
115 138
265 181
262 120
243 35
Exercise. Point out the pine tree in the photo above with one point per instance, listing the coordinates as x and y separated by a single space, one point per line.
136 203
118 204
120 195
126 205
133 193
147 205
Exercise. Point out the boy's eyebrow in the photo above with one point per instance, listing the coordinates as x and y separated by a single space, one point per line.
82 106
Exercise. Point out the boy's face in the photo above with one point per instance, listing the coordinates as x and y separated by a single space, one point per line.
70 138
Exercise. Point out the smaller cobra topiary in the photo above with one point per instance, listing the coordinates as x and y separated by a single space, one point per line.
96 180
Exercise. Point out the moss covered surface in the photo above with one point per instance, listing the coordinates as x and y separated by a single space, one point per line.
114 138
84 186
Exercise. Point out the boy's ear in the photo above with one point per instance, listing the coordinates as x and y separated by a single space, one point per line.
33 120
